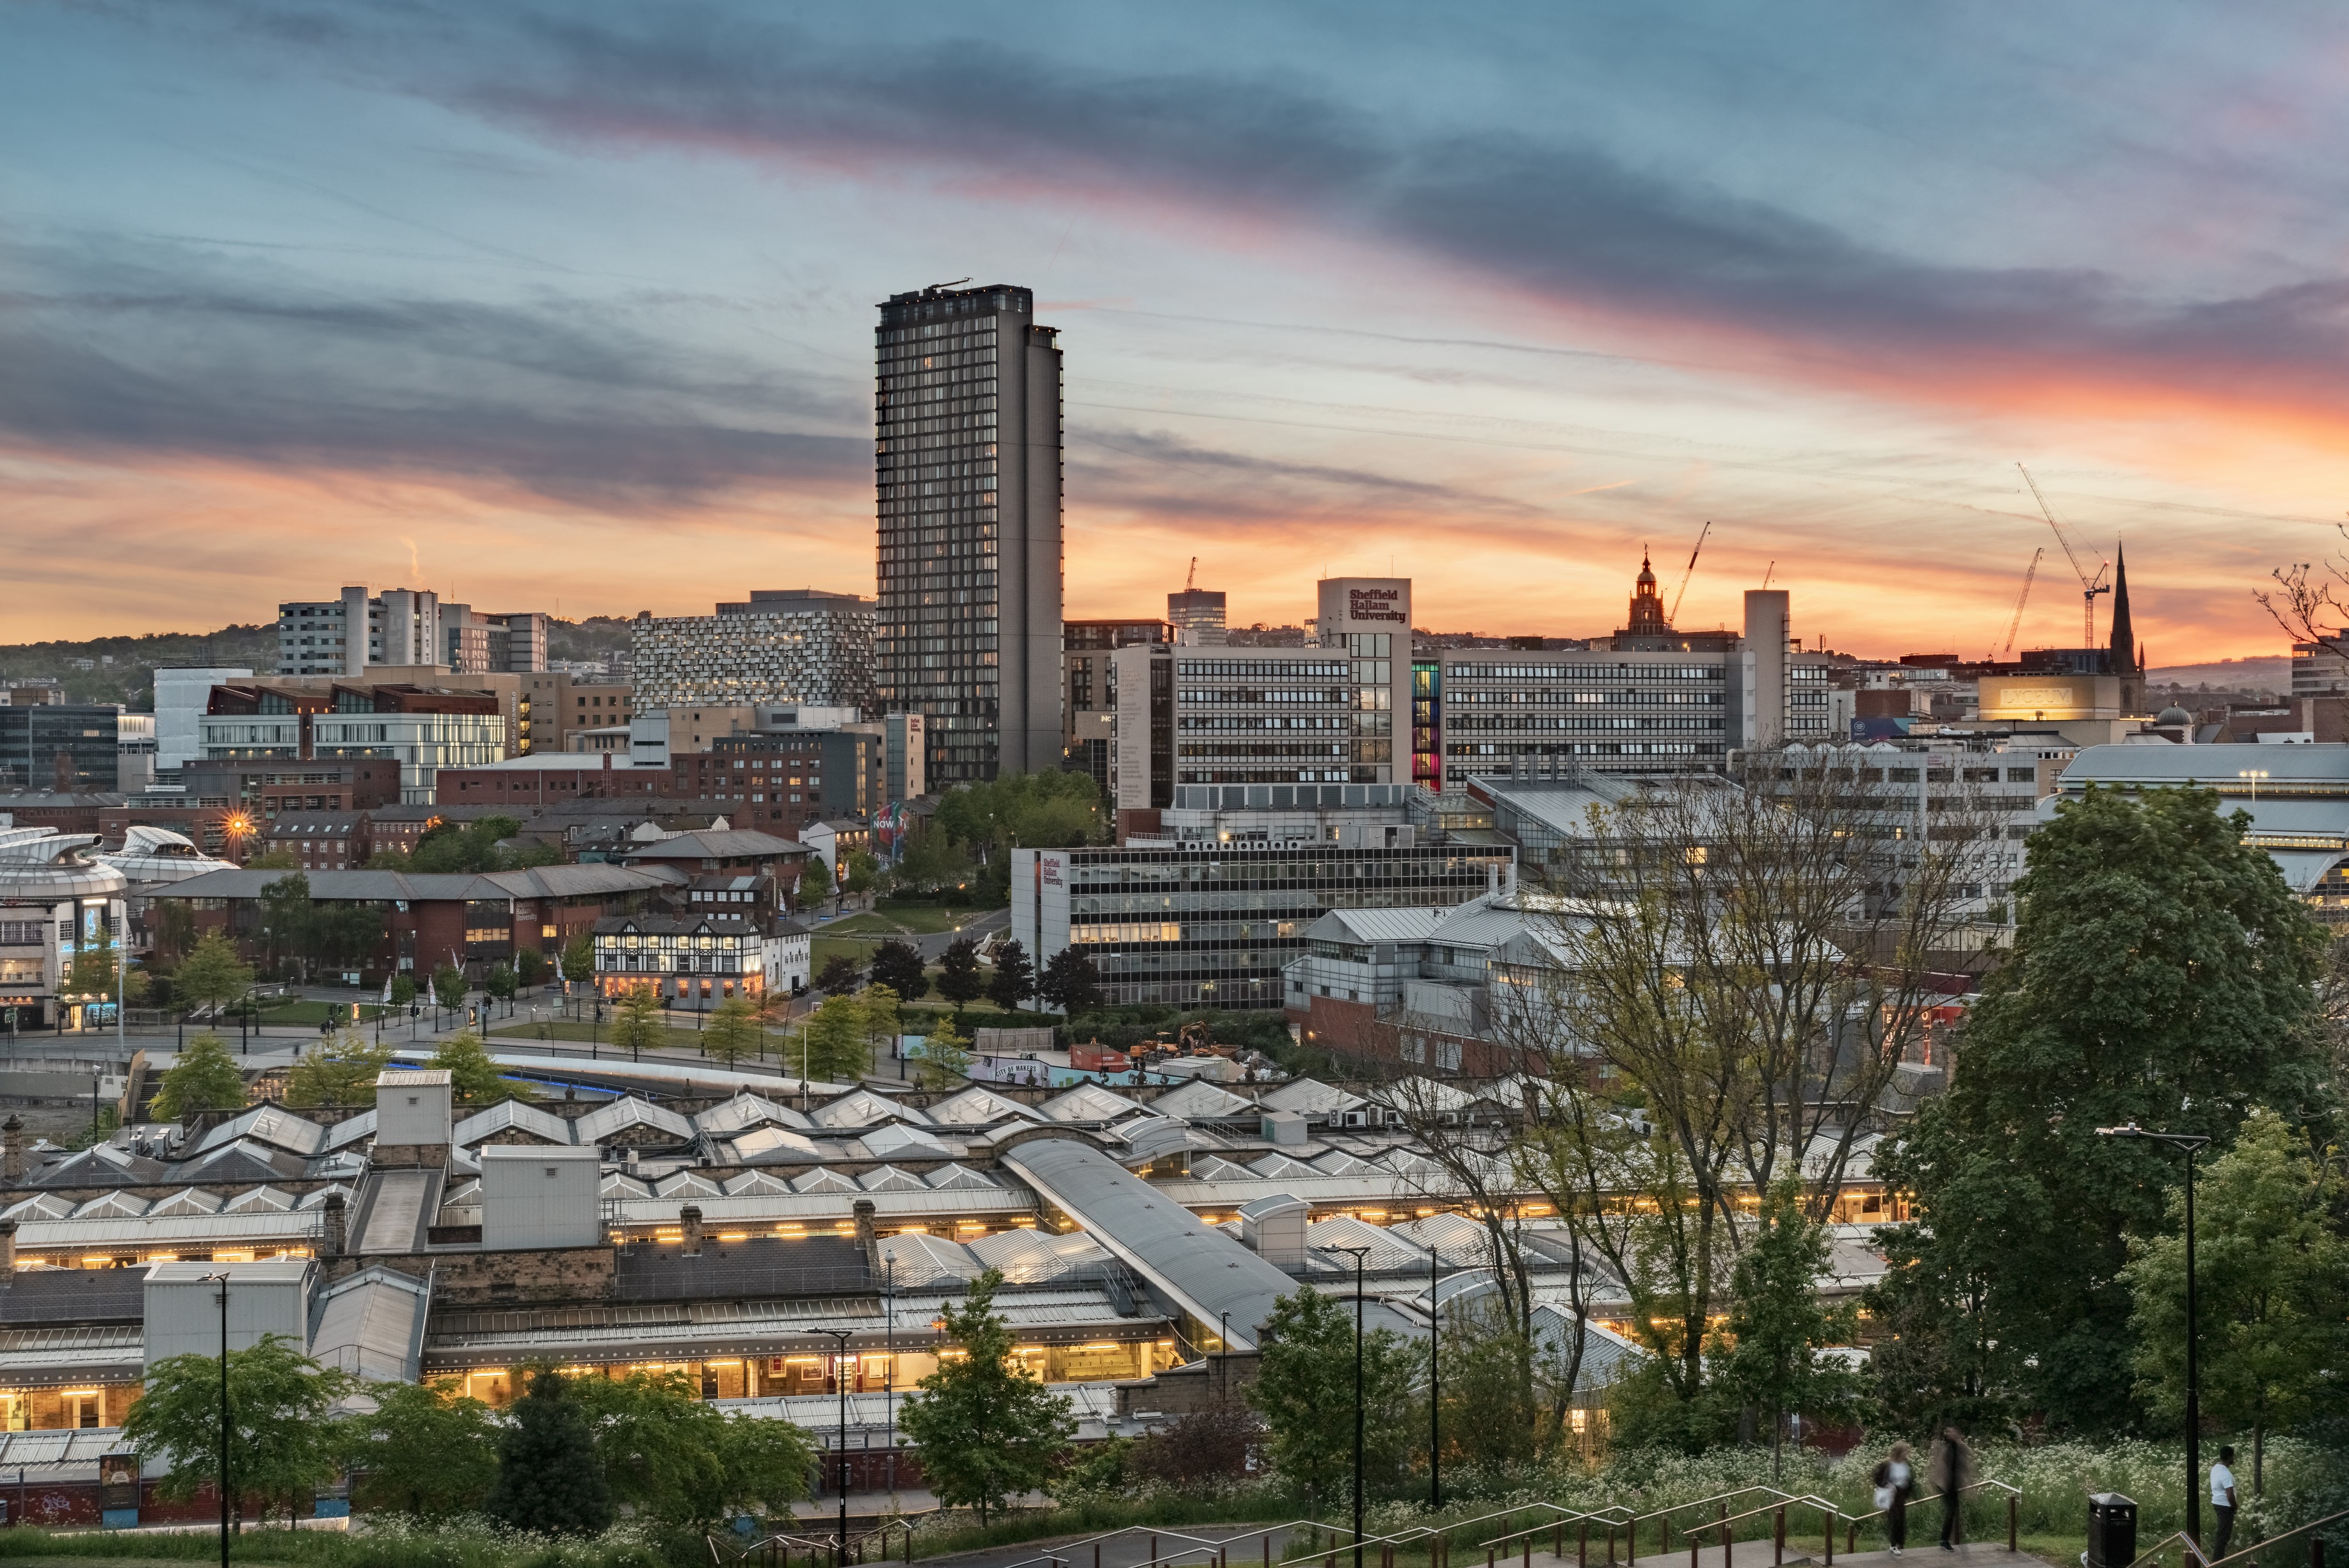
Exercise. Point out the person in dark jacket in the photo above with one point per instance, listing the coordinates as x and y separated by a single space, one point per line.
1895 1480
1951 1471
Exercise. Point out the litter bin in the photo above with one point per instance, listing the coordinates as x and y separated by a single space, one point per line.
2111 1531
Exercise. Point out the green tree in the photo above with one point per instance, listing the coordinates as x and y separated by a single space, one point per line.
898 966
733 1030
1491 1419
425 1450
453 848
175 927
579 959
672 1457
289 925
863 872
883 1020
986 1430
449 986
841 973
932 861
1014 980
1070 983
91 972
1304 1387
832 1047
1779 1329
474 1076
211 975
283 1435
636 1025
274 861
403 990
2272 1272
346 935
532 966
340 1072
959 981
206 1077
946 1055
499 982
550 1478
2161 972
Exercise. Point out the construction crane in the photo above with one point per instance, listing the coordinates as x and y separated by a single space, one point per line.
2090 586
1192 581
1674 612
2014 626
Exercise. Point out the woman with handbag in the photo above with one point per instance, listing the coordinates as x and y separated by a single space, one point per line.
1895 1480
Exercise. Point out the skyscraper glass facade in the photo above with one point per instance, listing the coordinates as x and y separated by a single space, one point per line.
967 465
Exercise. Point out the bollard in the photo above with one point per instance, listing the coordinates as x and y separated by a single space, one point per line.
1557 1547
1267 1550
1582 1547
1692 1549
1527 1540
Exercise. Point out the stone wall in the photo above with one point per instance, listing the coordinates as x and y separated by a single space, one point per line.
522 1277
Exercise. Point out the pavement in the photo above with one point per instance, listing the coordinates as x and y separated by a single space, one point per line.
1190 1546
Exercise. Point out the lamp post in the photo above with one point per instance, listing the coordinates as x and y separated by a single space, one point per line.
841 1338
221 1280
2252 776
2190 1143
889 1361
1357 1253
1224 1361
1435 1382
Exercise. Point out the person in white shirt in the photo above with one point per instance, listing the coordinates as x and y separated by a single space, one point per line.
2223 1501
1894 1481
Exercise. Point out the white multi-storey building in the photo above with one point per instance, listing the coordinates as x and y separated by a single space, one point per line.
343 635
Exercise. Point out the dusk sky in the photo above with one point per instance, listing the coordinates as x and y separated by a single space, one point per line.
572 305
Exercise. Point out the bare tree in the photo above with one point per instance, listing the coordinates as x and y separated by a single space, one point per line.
2301 601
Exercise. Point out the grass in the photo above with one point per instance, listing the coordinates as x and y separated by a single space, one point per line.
925 918
378 1540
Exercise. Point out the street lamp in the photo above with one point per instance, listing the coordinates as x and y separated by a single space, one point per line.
2252 776
841 1336
221 1280
1435 1382
2190 1143
1359 1253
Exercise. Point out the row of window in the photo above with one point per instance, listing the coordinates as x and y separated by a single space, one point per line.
1584 671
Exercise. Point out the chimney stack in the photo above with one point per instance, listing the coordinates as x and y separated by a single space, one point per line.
12 1150
7 1253
338 1234
690 1217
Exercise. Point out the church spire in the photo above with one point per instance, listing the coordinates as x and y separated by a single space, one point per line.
2123 647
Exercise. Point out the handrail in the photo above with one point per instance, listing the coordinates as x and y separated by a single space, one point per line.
2013 1496
2257 1546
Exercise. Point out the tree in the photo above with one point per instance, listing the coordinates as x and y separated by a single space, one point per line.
1071 983
733 1030
206 1077
342 1072
288 922
668 1455
1015 977
1305 1388
833 1048
346 934
274 861
898 966
426 1449
958 977
175 927
988 1430
449 986
862 871
211 975
532 966
579 959
636 1025
499 982
1206 1448
403 990
468 847
1779 1329
2161 972
2271 1270
474 1076
1491 1418
946 1055
550 1478
91 972
841 973
933 862
284 1436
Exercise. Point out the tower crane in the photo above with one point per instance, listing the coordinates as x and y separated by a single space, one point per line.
2090 586
2015 627
1674 612
1192 581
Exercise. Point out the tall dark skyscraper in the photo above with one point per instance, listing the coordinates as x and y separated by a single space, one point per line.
967 458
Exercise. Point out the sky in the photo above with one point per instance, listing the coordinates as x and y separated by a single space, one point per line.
568 306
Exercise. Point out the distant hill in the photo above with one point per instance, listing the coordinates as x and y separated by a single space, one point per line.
2228 674
120 666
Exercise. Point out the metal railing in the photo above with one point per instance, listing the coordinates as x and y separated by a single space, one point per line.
2013 1496
2192 1549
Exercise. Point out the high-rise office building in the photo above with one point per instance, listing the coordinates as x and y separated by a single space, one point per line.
967 465
1197 616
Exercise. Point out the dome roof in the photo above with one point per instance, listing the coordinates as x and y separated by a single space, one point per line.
2173 715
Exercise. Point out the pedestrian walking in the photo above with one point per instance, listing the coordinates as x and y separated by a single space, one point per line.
1895 1480
1951 1472
2223 1499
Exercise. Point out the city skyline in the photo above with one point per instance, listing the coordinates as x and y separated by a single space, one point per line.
1493 305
